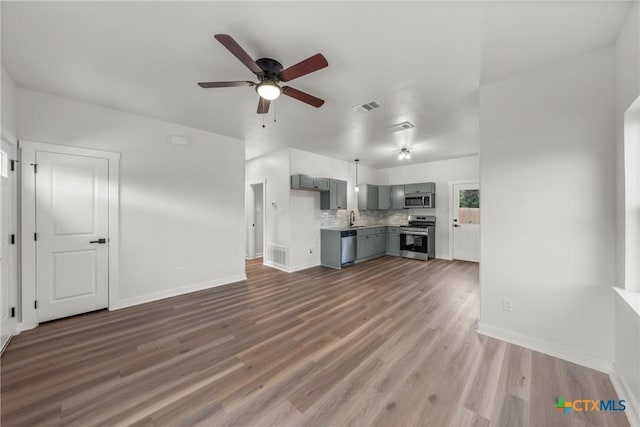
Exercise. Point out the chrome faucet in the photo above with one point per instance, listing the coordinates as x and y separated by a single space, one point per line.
352 219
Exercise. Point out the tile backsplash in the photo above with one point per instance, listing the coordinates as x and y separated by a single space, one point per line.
340 218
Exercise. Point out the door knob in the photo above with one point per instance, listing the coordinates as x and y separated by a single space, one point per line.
100 241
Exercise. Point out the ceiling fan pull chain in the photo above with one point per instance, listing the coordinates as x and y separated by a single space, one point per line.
275 111
263 126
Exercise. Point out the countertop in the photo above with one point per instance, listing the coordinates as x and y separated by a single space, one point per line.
360 227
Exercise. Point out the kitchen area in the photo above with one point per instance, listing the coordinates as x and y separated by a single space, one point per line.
382 225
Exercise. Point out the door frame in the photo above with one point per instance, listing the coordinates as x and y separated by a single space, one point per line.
14 223
451 209
28 227
250 218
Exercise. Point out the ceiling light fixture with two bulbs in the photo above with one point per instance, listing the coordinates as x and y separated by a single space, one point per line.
404 154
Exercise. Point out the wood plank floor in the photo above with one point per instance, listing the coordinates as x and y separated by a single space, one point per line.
390 342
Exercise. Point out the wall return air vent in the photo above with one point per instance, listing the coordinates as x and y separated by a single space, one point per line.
367 106
401 126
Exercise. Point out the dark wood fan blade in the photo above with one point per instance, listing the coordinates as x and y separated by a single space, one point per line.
207 85
263 105
233 47
309 65
302 96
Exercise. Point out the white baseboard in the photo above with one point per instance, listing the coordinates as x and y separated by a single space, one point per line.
623 390
21 327
303 267
168 293
6 344
547 347
276 266
290 269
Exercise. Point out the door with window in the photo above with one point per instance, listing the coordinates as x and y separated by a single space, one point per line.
466 221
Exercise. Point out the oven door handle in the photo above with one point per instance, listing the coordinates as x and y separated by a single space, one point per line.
415 233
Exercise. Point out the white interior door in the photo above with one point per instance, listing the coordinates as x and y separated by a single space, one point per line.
8 265
466 222
72 226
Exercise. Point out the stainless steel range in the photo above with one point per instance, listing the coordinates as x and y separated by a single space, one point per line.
418 239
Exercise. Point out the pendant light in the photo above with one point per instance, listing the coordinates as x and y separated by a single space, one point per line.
357 188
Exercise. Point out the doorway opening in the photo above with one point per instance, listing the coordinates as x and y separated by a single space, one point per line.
256 221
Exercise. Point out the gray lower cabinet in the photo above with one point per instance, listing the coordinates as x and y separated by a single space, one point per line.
384 197
336 197
393 241
365 247
330 248
397 197
371 243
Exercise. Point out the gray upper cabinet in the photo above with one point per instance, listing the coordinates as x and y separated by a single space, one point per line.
323 184
336 197
425 187
397 197
384 197
306 182
367 197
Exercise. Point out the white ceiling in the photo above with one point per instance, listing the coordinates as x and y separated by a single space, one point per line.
424 61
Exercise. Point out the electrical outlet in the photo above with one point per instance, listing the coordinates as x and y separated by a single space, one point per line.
507 304
179 271
312 249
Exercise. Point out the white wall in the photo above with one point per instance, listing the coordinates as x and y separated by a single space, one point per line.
627 90
441 172
274 168
548 224
627 320
179 206
8 108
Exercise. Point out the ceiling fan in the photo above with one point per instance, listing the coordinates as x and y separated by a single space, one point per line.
269 73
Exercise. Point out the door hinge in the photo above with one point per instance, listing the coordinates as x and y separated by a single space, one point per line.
35 237
12 239
35 304
35 167
13 312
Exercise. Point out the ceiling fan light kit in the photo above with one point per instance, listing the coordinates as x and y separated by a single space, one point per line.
268 89
269 73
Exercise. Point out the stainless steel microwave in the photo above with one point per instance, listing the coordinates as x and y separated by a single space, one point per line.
420 200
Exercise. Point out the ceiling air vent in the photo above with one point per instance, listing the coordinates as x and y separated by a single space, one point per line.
368 106
401 126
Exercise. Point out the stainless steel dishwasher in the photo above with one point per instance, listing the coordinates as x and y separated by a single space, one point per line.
348 242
